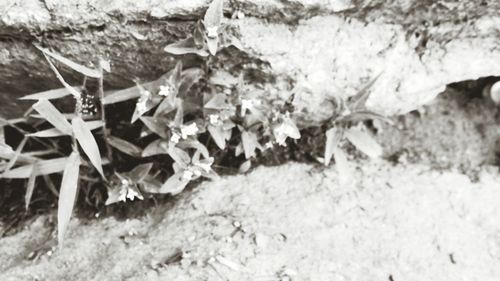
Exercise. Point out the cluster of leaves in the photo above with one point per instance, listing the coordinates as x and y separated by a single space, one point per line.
174 112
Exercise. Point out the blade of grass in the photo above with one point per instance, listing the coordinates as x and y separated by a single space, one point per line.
49 133
86 140
30 187
68 87
50 94
50 113
364 142
43 167
67 196
124 146
89 72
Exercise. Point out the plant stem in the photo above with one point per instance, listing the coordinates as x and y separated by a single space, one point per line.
109 151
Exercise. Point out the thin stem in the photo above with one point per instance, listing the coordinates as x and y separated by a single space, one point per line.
109 150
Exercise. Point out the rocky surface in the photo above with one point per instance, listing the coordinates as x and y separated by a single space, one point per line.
404 222
318 48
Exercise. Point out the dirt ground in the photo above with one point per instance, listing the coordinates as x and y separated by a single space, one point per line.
291 222
429 211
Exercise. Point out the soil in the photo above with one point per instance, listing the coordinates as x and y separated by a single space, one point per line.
428 211
390 222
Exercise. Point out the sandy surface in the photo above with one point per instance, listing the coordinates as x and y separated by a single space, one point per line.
292 222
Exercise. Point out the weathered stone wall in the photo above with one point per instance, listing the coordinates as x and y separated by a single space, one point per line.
320 48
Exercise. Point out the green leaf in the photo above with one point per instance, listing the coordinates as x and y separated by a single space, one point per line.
6 152
49 133
42 167
185 46
14 158
213 17
333 137
358 101
86 140
89 72
124 146
156 124
30 187
250 143
127 94
68 87
364 142
223 78
175 184
360 116
50 94
184 144
154 148
50 113
67 195
219 135
245 166
179 156
139 173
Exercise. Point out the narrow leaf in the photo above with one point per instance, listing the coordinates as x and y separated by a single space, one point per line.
67 195
50 133
30 187
50 94
154 148
213 16
87 142
89 72
185 46
175 184
250 143
42 167
50 113
139 173
68 87
127 94
157 125
179 156
218 135
124 146
333 136
13 160
360 116
358 101
364 142
342 165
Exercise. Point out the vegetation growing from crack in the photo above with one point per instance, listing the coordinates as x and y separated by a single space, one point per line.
181 126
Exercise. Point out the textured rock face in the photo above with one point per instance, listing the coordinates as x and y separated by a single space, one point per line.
320 49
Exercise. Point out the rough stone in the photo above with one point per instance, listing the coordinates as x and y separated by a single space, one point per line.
318 48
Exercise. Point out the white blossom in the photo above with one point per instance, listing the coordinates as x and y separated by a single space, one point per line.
165 90
189 130
212 32
187 175
175 138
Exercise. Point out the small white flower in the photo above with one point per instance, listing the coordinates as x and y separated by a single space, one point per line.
175 138
141 106
189 130
132 194
165 90
214 119
212 32
246 105
187 175
196 173
269 145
